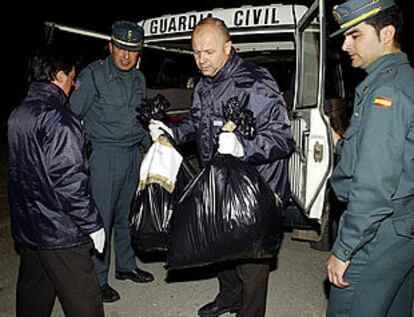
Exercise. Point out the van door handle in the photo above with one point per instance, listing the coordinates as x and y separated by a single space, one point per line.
318 152
305 144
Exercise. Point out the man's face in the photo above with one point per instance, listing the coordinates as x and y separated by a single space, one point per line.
210 49
124 60
363 45
67 81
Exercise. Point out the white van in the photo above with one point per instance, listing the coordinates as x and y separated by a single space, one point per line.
290 41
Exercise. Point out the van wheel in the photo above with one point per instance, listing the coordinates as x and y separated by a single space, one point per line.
328 234
330 220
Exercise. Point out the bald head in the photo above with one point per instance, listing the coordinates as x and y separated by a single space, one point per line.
212 24
211 45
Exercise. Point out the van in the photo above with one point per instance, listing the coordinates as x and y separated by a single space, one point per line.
291 42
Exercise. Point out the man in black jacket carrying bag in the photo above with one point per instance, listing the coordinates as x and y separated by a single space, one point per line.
242 284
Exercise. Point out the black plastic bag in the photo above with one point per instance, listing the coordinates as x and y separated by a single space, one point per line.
227 212
153 108
150 217
151 213
242 118
153 205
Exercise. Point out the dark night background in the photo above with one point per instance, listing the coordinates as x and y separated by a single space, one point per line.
24 30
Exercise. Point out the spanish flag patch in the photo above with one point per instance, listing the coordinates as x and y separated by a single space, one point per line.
382 102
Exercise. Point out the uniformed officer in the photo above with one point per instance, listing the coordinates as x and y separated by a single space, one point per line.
107 94
372 262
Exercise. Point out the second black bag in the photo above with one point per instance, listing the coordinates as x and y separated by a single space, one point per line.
151 213
227 212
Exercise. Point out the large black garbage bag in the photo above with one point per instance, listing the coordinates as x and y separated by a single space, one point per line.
153 203
150 217
151 213
227 212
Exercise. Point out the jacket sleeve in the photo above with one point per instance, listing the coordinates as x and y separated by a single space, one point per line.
274 138
67 170
145 141
379 149
186 129
82 96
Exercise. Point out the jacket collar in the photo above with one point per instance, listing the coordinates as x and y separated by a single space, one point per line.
228 69
383 64
111 71
385 61
46 90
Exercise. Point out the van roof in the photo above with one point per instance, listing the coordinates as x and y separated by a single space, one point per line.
256 19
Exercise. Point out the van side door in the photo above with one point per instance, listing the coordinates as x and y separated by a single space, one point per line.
312 161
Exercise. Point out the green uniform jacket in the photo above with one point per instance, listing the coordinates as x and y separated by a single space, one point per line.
107 104
377 152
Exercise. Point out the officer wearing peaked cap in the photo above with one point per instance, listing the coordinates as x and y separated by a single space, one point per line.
371 267
128 36
353 12
106 96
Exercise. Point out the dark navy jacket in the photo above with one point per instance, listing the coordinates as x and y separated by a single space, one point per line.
49 195
257 91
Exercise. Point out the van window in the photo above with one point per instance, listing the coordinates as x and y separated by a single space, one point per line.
281 65
309 80
164 69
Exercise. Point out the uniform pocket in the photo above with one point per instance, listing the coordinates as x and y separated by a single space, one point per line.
349 151
113 109
404 226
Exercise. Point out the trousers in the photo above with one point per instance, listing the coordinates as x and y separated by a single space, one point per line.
114 178
381 274
244 284
67 274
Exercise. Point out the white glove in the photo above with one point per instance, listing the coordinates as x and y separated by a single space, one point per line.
155 129
98 238
228 144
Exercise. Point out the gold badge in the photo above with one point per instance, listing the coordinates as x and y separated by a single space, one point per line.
337 17
129 36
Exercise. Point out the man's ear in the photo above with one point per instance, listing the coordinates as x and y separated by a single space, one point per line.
60 76
387 34
228 47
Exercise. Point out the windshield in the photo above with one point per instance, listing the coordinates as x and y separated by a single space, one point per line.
164 69
170 70
281 64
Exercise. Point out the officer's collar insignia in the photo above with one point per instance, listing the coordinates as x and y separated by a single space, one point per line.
129 36
382 102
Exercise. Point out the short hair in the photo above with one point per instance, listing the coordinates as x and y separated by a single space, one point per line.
47 61
218 24
391 16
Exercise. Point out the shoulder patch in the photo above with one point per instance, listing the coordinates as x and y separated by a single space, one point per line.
382 102
77 84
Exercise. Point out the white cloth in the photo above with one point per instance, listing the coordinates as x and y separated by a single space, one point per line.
160 165
98 238
228 144
156 129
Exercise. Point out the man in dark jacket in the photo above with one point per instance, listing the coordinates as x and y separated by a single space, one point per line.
54 219
243 285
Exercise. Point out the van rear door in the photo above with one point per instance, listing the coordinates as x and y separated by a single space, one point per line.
311 163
